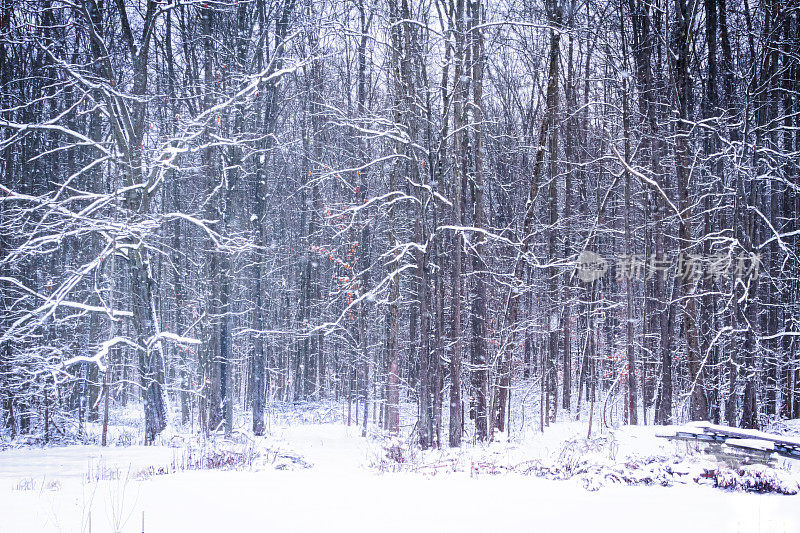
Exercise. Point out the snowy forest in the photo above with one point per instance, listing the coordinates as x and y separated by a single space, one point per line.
209 208
333 249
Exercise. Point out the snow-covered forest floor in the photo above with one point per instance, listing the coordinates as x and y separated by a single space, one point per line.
315 473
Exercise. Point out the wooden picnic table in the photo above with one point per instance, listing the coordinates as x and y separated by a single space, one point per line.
753 443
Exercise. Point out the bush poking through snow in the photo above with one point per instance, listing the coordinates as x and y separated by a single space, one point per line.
593 464
594 472
394 453
24 484
30 484
220 460
754 478
101 472
394 456
288 461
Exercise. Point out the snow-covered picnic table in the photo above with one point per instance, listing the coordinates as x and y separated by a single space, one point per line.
756 444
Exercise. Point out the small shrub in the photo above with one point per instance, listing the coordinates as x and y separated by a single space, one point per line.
52 485
393 456
27 483
126 437
754 478
101 472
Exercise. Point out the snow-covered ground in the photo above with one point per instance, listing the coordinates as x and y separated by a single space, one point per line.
309 476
